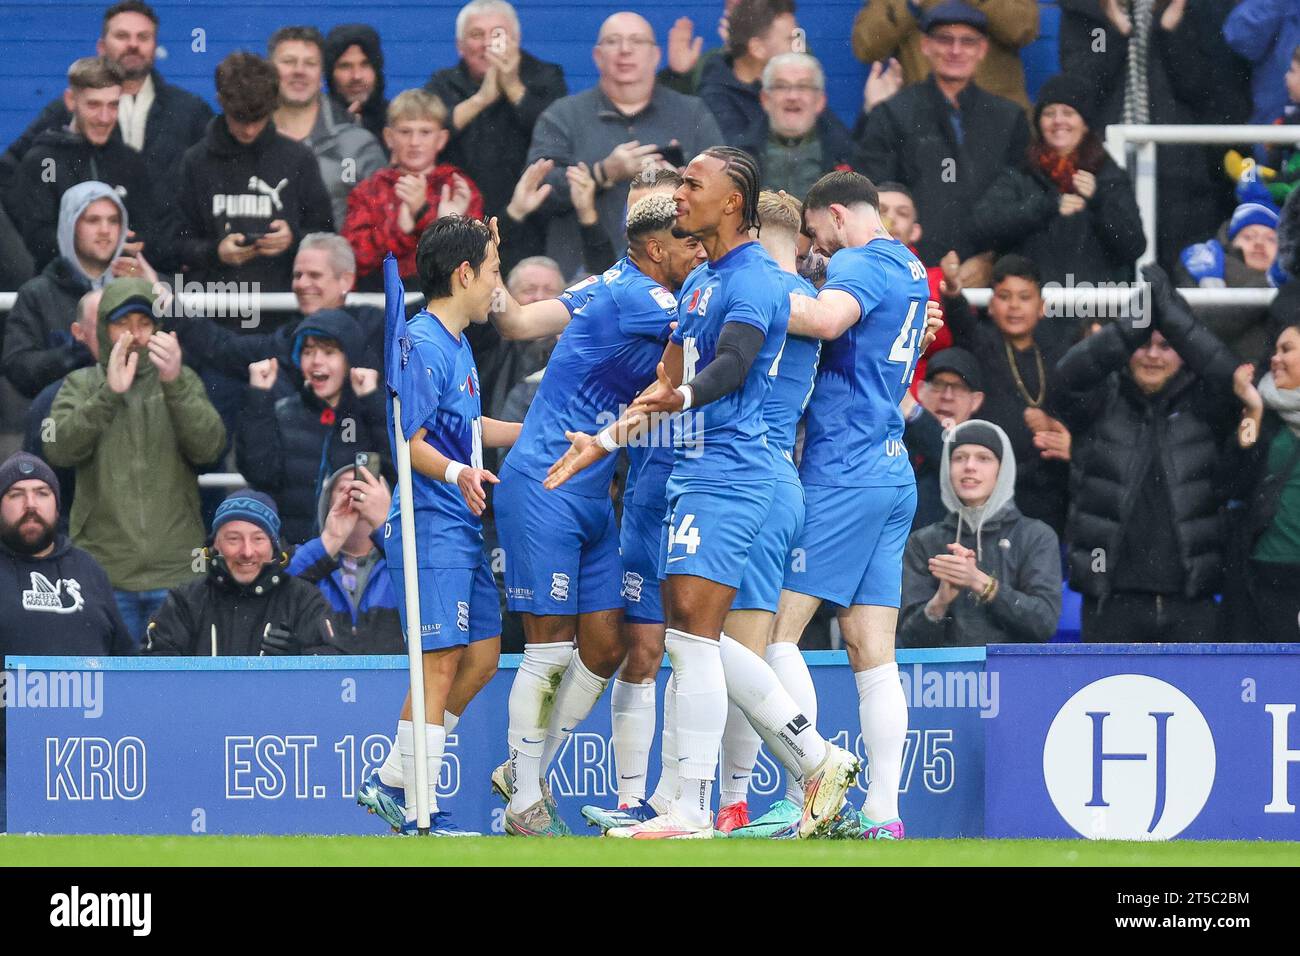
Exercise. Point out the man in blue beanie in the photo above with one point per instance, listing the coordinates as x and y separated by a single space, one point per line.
247 604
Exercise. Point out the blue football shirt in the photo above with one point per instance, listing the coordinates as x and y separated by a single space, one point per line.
726 440
434 375
792 383
606 356
854 434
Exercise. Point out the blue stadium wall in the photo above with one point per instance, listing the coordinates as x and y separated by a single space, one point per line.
40 38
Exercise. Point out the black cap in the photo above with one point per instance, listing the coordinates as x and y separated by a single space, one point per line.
22 466
976 433
960 363
954 12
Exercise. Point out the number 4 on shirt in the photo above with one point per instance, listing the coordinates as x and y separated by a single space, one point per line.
904 347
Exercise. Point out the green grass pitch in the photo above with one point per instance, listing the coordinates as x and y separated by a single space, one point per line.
501 851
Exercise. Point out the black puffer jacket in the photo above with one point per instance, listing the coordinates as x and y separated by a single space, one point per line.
289 447
219 617
1021 213
1117 428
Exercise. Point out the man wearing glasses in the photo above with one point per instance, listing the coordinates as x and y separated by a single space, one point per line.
796 139
625 125
945 138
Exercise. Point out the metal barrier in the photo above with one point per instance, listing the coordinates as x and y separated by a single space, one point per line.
1144 139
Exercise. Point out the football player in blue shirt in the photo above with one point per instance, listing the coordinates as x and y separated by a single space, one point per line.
732 315
432 370
859 488
562 566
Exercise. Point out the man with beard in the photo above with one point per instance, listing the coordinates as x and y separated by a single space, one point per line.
54 598
354 75
156 118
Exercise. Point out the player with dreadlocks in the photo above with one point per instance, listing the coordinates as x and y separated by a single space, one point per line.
716 374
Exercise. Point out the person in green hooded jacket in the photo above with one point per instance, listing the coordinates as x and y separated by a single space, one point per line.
136 426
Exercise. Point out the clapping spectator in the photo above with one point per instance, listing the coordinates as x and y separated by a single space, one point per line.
886 29
247 194
289 446
945 138
39 347
246 603
758 30
985 574
1239 256
1149 405
795 139
1017 353
347 566
354 74
346 151
90 149
495 95
1155 73
618 128
1067 205
136 426
519 240
390 210
1261 601
1267 33
686 57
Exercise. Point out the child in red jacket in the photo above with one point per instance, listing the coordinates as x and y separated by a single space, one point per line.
389 211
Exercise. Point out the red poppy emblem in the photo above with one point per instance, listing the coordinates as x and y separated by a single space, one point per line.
695 300
327 417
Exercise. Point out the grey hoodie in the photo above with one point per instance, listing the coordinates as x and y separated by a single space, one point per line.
71 206
1022 553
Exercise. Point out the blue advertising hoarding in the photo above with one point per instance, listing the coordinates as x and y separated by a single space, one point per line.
254 745
1138 742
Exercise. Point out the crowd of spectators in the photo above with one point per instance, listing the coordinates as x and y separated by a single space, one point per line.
1150 459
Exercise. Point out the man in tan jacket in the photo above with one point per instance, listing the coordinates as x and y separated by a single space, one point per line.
887 28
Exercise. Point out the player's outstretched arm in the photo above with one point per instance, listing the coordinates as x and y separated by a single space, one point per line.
738 346
585 450
537 320
828 316
431 463
499 434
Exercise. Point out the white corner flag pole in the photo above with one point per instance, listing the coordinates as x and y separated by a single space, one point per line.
414 650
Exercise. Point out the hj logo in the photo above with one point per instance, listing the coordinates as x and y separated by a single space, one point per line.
1113 750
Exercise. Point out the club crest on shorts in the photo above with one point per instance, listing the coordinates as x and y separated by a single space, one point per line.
632 584
559 587
462 615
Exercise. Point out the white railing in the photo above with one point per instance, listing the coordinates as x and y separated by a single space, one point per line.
1144 139
1199 299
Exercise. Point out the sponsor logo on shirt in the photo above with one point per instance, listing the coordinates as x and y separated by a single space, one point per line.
58 597
262 201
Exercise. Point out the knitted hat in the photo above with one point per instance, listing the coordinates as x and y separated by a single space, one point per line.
978 433
21 466
1069 90
252 506
1251 214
